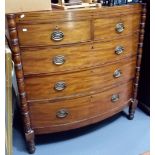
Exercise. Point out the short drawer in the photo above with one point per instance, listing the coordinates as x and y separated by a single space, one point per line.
109 27
68 59
65 114
79 83
55 33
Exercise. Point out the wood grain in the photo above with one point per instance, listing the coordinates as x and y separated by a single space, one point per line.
76 14
13 35
134 102
76 57
40 34
105 27
89 46
76 27
80 110
39 88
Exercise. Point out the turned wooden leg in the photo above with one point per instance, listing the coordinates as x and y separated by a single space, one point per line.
132 109
30 141
31 147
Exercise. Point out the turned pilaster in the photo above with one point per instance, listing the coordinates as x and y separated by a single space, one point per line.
16 55
138 64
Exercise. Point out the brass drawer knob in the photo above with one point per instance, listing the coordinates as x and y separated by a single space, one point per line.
119 50
62 113
117 73
59 60
59 86
57 35
115 97
119 27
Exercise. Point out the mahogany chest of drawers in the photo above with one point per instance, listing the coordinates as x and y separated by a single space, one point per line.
76 67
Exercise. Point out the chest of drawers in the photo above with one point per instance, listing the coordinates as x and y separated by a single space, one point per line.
76 67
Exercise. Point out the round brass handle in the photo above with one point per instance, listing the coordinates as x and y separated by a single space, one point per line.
57 35
62 113
119 27
115 97
117 73
119 50
59 86
59 60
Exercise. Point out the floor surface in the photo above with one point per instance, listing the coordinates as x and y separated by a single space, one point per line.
115 136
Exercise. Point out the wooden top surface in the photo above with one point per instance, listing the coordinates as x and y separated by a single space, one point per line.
118 7
75 14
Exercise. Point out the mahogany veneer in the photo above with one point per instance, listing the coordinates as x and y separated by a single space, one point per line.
91 55
81 110
76 67
83 82
75 31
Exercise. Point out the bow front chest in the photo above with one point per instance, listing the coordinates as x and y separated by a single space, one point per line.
75 67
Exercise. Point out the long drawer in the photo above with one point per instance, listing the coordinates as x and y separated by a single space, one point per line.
114 26
54 33
65 59
65 114
79 83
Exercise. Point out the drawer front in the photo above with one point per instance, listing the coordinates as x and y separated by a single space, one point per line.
109 27
65 59
79 83
76 111
55 33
